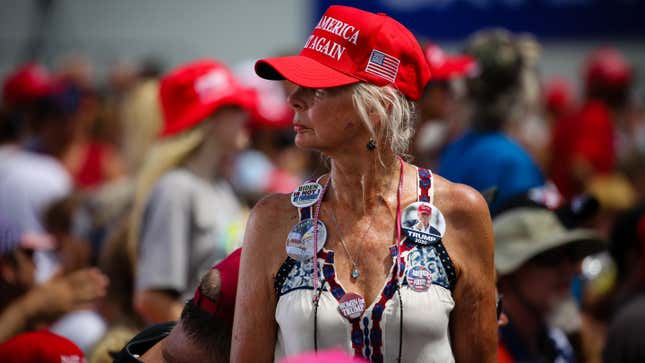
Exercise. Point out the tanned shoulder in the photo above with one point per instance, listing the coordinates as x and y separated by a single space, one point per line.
269 223
460 201
469 220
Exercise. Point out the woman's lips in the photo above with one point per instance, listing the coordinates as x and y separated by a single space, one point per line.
299 128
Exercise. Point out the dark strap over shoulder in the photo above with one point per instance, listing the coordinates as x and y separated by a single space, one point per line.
282 274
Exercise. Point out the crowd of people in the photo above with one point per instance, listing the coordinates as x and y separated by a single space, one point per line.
373 194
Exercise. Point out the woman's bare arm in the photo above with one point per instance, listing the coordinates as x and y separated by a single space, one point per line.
254 328
473 322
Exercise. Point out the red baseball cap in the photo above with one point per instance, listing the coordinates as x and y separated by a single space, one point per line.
27 84
558 95
606 67
444 67
194 91
349 45
423 208
40 347
224 306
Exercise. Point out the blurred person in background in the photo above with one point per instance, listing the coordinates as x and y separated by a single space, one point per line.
484 156
83 326
272 164
440 108
536 258
24 305
626 326
185 214
40 110
584 144
627 249
138 113
202 332
528 125
34 180
91 158
139 116
559 99
136 110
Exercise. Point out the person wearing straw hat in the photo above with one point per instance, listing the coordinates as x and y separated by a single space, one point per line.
363 282
536 258
185 215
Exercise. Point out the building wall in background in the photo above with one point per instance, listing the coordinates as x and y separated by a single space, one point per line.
177 31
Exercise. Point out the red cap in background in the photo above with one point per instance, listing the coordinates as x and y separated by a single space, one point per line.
40 347
349 45
272 110
606 67
194 91
444 67
27 84
558 96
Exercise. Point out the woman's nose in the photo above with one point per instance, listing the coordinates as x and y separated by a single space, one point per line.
295 98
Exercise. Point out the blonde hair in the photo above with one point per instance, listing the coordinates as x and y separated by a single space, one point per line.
141 120
396 116
163 156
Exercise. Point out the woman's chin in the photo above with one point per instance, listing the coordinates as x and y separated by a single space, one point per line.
304 141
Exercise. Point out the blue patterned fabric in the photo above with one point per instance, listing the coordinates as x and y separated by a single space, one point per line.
428 257
299 277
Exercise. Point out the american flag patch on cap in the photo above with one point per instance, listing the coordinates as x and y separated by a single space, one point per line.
383 65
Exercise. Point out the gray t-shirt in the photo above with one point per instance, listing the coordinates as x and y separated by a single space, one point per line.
188 225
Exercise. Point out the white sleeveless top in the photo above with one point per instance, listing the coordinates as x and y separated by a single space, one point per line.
376 335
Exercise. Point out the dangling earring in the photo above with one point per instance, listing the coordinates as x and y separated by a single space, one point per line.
371 145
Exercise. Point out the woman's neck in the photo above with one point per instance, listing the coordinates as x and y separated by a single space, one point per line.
360 183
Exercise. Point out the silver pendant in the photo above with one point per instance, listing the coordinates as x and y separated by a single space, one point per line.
355 273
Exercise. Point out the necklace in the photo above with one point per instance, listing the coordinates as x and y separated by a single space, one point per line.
355 272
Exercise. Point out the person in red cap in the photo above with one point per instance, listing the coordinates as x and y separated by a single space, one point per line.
359 284
583 144
185 212
424 211
439 118
40 347
203 332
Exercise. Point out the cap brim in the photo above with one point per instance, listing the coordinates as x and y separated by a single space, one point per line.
302 71
583 242
244 98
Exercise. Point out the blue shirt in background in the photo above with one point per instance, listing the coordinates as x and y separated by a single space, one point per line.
490 159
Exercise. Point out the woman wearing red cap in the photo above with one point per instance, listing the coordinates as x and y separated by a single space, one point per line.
374 295
185 214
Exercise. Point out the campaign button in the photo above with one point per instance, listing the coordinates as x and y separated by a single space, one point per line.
351 306
306 195
300 241
423 223
419 278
